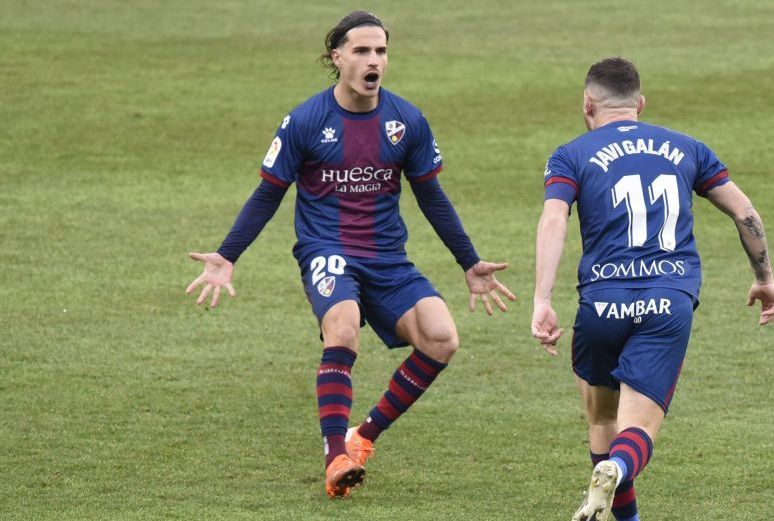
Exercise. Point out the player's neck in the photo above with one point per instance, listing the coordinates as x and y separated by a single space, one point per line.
351 101
612 116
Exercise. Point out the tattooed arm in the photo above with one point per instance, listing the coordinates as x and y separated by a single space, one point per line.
731 200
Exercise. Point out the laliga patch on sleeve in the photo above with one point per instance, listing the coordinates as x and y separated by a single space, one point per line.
271 155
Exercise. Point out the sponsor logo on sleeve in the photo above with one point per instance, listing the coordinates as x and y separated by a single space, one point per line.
285 122
395 131
271 155
329 135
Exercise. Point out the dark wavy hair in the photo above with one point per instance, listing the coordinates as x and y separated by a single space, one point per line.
337 36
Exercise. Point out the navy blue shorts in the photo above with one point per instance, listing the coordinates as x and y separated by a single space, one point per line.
635 336
384 287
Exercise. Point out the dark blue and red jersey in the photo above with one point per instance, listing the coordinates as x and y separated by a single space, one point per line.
347 169
634 184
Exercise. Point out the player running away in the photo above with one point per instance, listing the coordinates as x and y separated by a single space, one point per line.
346 149
639 276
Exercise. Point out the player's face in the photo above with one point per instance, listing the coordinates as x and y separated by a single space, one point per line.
361 61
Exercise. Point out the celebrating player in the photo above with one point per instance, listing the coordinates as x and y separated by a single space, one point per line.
639 276
346 148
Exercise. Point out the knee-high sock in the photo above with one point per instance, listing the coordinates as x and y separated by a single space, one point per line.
625 501
412 378
631 450
334 398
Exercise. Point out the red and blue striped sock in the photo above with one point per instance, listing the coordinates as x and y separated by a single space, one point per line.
334 398
625 501
631 450
412 378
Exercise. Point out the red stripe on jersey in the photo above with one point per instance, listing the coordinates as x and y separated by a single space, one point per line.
564 180
624 498
274 180
714 179
431 174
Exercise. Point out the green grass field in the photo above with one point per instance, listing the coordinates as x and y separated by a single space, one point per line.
131 133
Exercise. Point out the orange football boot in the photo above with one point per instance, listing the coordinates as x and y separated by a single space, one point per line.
341 475
359 448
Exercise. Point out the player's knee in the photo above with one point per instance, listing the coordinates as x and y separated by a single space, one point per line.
442 343
344 335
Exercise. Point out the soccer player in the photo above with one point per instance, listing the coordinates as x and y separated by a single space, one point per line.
639 275
346 148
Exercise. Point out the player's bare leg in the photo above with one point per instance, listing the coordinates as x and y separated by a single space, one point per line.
428 327
341 333
637 410
341 325
601 404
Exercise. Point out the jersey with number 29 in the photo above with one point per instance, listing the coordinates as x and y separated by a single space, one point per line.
634 183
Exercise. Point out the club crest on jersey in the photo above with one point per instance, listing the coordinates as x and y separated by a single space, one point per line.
326 285
395 131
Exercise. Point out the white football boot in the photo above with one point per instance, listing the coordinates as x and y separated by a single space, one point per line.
599 499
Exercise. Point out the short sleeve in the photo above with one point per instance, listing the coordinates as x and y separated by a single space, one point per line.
711 171
560 178
283 159
423 159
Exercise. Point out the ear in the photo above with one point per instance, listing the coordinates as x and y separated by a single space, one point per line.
588 105
641 105
336 57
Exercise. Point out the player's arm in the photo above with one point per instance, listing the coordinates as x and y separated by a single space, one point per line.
549 246
732 201
219 266
479 274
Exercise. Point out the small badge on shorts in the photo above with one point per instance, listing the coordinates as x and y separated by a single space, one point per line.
326 285
395 131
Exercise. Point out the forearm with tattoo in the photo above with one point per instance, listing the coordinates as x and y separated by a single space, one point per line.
753 238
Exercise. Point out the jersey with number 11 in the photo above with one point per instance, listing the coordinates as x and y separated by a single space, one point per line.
633 183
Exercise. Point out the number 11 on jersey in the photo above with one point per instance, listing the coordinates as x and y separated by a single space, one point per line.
629 189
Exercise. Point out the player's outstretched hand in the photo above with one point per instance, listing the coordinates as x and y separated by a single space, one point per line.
544 327
482 283
764 293
216 275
